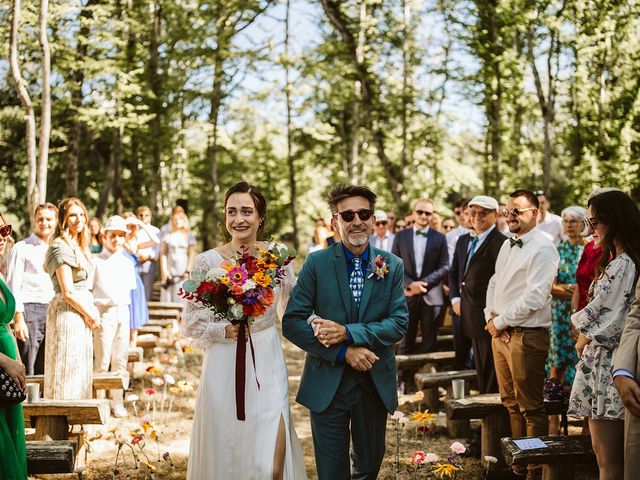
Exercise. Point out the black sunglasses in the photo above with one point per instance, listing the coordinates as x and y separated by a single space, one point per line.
424 212
5 230
380 222
350 215
515 211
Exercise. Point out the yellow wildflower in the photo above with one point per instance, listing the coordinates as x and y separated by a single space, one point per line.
422 417
445 470
262 279
225 280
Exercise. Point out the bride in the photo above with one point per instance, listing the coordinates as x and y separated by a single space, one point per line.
265 445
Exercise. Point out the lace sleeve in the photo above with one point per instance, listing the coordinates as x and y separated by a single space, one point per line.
288 282
199 322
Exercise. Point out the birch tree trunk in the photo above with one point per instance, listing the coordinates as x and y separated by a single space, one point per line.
45 116
290 159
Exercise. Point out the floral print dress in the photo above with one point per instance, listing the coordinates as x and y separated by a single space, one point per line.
562 352
594 394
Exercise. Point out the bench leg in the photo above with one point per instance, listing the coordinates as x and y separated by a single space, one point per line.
494 427
431 399
51 428
459 428
559 471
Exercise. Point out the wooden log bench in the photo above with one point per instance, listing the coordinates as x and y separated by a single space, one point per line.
51 418
53 456
165 306
169 313
164 323
136 355
430 383
444 343
147 342
559 457
101 381
148 329
419 360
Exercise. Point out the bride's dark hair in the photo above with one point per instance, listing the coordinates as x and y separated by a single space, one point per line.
258 200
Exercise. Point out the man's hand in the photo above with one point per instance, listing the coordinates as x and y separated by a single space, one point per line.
491 328
504 336
20 327
415 288
360 358
328 332
629 392
456 308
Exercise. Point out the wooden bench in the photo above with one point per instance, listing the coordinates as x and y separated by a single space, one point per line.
51 418
444 343
53 456
101 381
559 458
148 329
147 342
171 313
419 360
136 354
165 306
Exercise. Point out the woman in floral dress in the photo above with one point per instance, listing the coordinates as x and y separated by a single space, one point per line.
562 354
614 220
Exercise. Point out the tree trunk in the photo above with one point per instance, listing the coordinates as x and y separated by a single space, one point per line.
117 170
45 116
156 105
27 105
105 193
217 95
290 158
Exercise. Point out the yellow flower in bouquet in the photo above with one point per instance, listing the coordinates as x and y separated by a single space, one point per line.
262 279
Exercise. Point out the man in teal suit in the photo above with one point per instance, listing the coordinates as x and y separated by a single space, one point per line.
347 311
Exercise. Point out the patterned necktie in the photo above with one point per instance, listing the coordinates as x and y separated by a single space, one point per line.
356 280
513 242
471 251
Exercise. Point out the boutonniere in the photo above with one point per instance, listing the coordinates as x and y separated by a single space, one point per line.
379 268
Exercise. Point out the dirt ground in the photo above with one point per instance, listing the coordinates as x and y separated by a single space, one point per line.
167 458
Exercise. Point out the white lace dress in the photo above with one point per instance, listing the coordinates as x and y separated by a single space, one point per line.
223 447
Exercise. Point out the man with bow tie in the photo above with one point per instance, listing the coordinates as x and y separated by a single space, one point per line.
518 316
426 263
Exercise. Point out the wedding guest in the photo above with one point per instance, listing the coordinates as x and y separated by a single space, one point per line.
436 222
13 448
264 445
459 209
176 256
148 255
614 219
71 315
448 224
408 220
548 222
562 354
502 224
319 239
399 225
32 288
518 315
95 238
391 218
113 281
382 238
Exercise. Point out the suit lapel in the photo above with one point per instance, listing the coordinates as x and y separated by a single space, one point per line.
426 250
368 282
481 248
412 256
465 247
340 267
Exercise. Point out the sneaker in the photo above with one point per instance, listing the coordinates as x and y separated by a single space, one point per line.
120 412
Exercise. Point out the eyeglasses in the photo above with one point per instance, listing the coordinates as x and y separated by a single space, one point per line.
570 222
350 215
591 223
5 230
381 222
480 213
516 211
539 193
423 212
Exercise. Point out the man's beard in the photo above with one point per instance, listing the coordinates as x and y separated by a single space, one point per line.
353 237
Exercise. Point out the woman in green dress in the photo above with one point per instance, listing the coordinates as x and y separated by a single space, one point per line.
13 454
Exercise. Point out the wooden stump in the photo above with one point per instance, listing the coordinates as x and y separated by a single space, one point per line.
51 428
50 457
494 427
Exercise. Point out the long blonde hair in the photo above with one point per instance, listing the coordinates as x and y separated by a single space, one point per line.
83 238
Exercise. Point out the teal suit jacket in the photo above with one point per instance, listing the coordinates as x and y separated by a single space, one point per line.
380 322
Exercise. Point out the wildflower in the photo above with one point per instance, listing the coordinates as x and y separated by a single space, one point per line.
157 381
431 457
169 379
262 279
149 391
422 417
132 398
155 370
457 447
249 285
120 440
418 397
489 459
397 415
237 275
175 390
165 358
445 470
136 440
216 274
423 428
418 457
403 421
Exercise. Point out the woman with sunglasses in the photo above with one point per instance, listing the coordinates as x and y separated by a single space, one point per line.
614 220
13 449
71 315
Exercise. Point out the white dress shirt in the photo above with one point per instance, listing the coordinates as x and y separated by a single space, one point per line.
552 226
419 247
114 278
383 243
519 292
26 277
452 239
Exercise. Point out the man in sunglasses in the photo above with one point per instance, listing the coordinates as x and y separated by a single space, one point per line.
426 263
460 210
518 316
382 237
347 311
32 288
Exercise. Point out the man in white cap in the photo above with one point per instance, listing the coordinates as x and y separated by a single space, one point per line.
382 237
518 315
114 278
473 265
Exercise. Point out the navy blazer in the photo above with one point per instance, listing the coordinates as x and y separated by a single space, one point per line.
471 284
435 265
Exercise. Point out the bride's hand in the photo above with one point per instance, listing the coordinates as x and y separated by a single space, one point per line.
231 331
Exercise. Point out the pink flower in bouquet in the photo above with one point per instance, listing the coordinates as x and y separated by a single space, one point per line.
418 457
237 275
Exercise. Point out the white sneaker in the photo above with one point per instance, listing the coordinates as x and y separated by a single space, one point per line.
120 412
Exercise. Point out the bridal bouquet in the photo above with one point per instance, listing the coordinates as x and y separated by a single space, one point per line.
239 290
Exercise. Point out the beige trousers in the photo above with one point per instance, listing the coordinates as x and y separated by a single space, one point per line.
631 446
111 345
